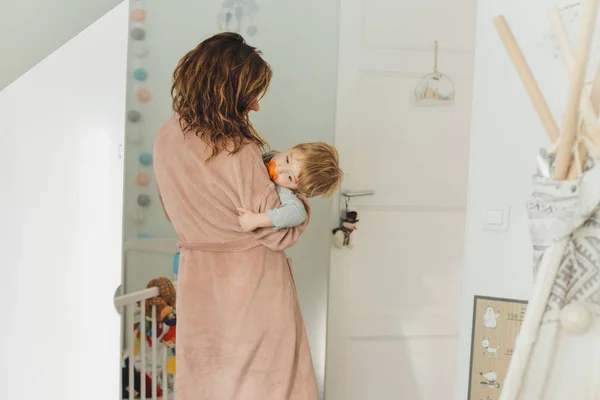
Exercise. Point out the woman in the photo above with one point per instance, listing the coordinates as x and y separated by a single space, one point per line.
240 333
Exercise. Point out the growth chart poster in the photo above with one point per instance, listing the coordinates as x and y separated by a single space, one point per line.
496 324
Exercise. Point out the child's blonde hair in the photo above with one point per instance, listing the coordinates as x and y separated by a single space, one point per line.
320 174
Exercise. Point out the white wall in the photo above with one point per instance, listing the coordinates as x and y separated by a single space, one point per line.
299 40
506 135
30 31
60 219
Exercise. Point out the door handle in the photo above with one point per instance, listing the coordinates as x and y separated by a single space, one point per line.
362 193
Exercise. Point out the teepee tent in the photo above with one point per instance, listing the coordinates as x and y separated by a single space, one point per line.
557 354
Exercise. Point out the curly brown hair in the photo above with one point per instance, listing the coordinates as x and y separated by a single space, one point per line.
214 85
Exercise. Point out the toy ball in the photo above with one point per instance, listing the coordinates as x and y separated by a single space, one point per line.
145 159
143 179
138 15
143 200
172 365
140 74
143 95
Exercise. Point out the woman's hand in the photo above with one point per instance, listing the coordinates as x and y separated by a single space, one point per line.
250 220
304 200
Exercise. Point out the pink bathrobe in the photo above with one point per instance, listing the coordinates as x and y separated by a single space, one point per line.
240 332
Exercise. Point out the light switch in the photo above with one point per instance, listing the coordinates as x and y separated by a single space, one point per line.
496 218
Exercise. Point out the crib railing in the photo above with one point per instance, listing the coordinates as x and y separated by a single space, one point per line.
127 306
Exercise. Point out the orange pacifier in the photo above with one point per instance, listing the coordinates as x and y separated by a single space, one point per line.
271 168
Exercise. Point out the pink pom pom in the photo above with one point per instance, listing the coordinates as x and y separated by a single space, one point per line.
143 95
138 15
143 179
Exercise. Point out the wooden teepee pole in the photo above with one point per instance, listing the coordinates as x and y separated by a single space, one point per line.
588 108
525 341
570 123
531 86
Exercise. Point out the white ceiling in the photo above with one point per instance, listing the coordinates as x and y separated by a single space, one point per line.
32 30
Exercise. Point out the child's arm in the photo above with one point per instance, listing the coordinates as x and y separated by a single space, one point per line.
291 213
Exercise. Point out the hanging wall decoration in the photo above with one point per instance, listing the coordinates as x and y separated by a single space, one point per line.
238 16
143 181
139 49
138 46
135 132
435 88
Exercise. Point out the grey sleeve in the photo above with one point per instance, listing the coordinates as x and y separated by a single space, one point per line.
291 213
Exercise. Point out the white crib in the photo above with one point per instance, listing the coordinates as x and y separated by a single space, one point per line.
131 313
155 362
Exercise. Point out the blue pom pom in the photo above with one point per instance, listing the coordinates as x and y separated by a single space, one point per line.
145 159
140 74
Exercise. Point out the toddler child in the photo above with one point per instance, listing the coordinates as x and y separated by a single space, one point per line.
305 170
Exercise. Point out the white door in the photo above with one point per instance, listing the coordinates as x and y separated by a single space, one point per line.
394 297
61 125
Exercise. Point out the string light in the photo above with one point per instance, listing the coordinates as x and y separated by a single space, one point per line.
135 118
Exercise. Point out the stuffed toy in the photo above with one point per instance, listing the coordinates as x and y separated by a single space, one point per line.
166 335
168 339
166 329
165 301
342 235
